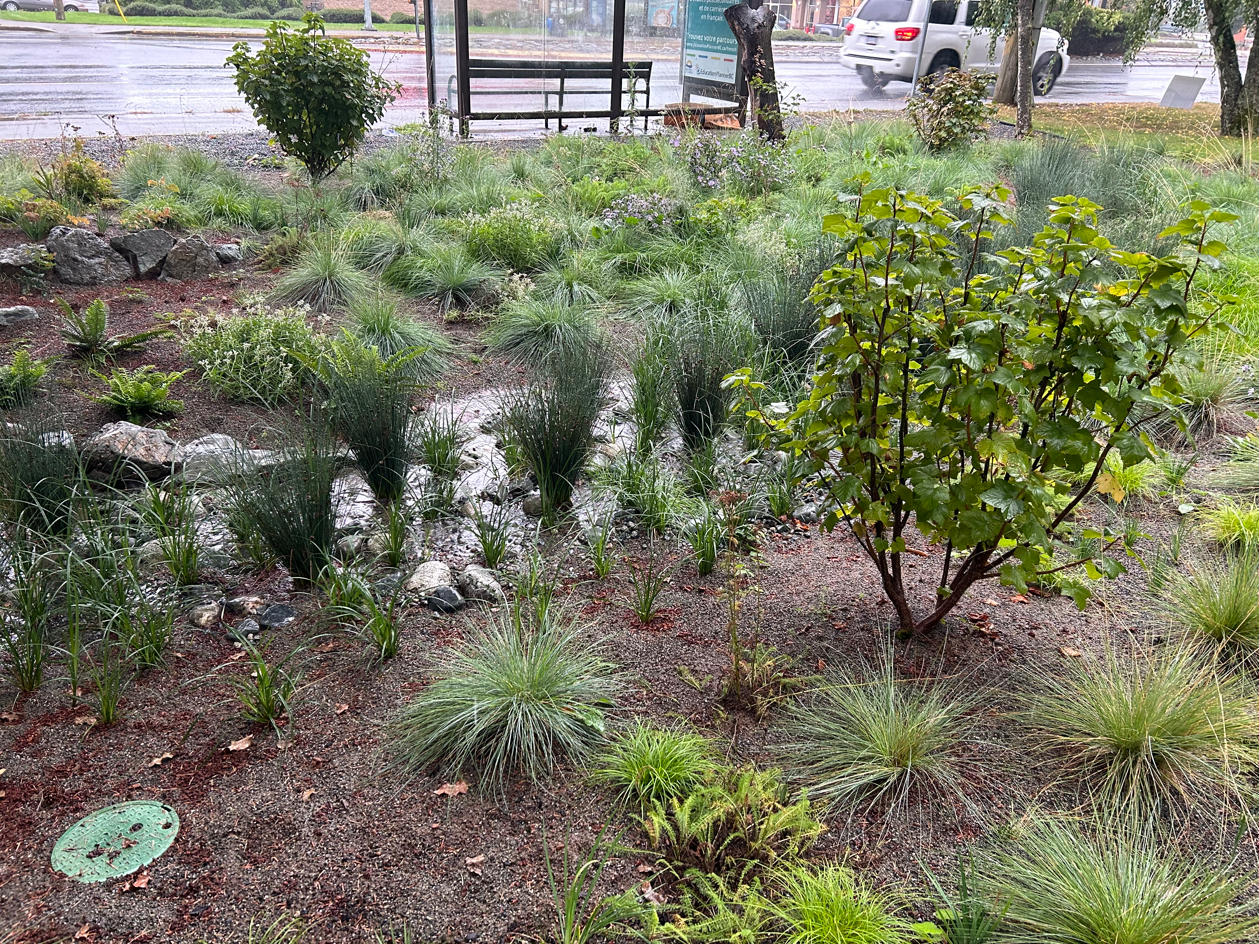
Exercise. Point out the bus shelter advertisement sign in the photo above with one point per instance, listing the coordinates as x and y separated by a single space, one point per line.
710 50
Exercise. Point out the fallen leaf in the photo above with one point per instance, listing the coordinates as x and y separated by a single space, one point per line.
2 794
650 895
141 880
645 869
306 795
452 789
342 709
1107 484
991 602
84 933
85 719
157 761
474 864
328 646
1070 652
243 744
1018 598
283 745
987 631
10 716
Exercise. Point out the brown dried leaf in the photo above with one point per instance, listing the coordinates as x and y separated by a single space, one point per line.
283 744
342 709
1070 652
243 744
1018 598
85 719
10 716
84 933
650 895
644 869
306 795
157 761
474 864
452 789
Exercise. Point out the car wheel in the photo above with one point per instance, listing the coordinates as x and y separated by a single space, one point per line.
944 60
9 7
1045 73
70 8
870 79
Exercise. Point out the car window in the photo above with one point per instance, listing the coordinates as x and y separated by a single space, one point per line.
943 12
972 12
885 10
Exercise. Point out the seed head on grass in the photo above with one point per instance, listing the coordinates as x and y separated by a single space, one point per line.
648 765
867 736
1115 887
515 698
1151 733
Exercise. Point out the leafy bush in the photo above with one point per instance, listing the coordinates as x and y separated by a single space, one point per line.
348 15
516 697
144 391
323 278
404 18
536 330
551 422
1214 605
376 322
867 736
290 506
317 95
1062 885
258 353
75 178
516 237
1150 733
745 162
20 378
951 108
87 333
1092 31
648 765
998 518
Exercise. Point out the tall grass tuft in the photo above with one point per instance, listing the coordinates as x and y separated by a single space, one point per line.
829 905
516 697
1232 525
535 331
551 422
40 476
290 506
1151 733
867 736
445 274
324 276
704 349
376 322
1062 885
1216 606
647 764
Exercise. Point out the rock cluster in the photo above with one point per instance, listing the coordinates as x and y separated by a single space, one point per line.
81 257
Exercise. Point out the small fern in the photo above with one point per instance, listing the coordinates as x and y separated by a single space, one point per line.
87 335
141 392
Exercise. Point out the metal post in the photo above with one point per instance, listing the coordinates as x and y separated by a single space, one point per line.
430 53
922 47
618 61
367 16
462 57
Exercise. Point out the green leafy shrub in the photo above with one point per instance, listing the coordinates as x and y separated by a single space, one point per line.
74 177
348 15
516 697
258 353
144 391
403 18
1149 734
1060 884
648 765
20 378
951 108
316 94
516 237
992 498
867 736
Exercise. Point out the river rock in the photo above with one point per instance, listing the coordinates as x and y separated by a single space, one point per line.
31 256
131 451
427 577
146 250
276 615
479 583
16 315
227 253
532 505
190 258
82 258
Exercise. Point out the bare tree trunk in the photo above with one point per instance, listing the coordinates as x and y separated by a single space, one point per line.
60 7
1007 75
1023 98
752 23
1234 111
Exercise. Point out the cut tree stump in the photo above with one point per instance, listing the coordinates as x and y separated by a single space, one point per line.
752 23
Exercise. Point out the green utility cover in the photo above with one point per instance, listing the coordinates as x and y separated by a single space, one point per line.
115 841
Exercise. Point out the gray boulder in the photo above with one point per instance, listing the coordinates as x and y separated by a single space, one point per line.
125 450
427 577
532 505
27 256
190 258
146 250
479 583
228 253
213 459
444 600
16 315
83 258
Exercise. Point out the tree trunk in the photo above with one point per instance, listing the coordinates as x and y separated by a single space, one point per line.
752 23
1234 117
60 10
1007 75
1023 98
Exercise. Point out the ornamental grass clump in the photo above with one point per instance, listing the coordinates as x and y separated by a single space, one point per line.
1150 734
646 764
323 277
514 698
534 330
1216 605
377 322
41 475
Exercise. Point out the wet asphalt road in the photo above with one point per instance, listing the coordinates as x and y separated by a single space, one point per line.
176 85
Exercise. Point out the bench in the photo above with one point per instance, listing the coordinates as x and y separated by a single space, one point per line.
635 80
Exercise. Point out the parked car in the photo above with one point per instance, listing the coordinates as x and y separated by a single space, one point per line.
829 29
70 6
882 41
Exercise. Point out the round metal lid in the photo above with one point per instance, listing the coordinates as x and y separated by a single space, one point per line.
115 841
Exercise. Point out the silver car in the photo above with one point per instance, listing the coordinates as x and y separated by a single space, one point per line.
70 6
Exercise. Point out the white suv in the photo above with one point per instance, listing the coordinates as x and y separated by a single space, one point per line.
882 40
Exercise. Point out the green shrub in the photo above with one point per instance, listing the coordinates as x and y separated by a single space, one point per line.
516 697
516 237
258 353
648 489
1149 733
1061 885
551 422
404 18
142 392
866 736
348 15
951 108
317 95
1092 31
535 331
648 765
323 278
376 322
20 378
